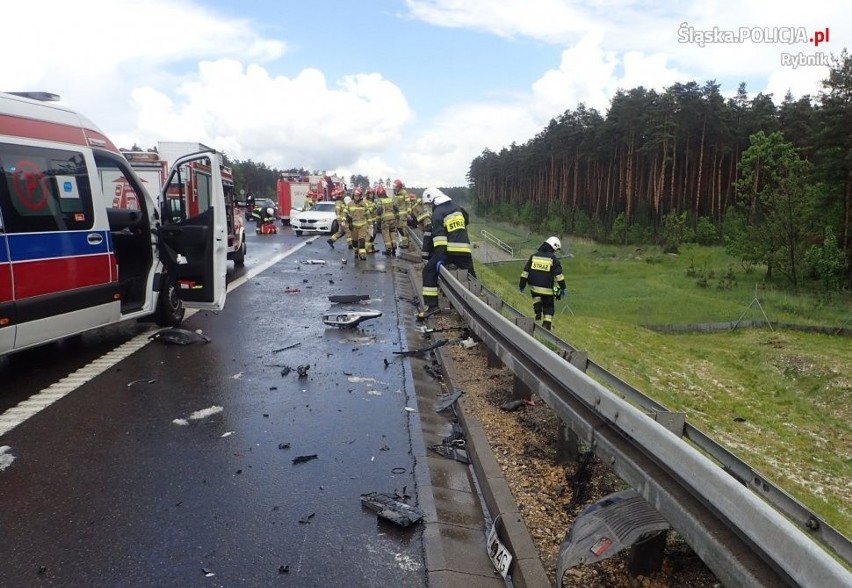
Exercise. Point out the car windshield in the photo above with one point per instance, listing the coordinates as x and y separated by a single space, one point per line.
324 207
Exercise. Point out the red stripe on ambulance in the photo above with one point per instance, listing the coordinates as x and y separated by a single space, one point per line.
51 276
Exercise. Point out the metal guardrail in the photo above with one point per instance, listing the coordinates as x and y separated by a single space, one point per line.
501 244
741 537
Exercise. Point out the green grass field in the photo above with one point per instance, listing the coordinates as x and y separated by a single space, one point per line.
780 399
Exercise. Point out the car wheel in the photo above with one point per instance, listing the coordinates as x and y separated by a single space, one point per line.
170 309
298 232
335 226
240 257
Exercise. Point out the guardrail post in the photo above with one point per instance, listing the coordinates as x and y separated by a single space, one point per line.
673 421
567 444
519 389
494 360
494 301
579 359
647 557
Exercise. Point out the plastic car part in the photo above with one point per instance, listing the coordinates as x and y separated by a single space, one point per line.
391 509
604 528
175 336
349 318
348 298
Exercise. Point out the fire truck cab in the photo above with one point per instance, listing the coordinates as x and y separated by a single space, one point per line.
72 261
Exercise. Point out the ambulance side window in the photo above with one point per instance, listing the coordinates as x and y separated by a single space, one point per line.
44 190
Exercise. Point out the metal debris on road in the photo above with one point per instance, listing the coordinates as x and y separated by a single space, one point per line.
302 370
348 298
512 405
457 434
424 349
424 330
457 453
391 509
141 380
177 336
289 290
422 316
304 458
307 519
448 402
286 348
313 261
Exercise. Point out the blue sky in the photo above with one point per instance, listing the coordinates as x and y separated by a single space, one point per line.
409 89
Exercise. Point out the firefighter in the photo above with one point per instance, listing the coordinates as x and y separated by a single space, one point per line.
265 217
400 196
372 218
422 215
342 222
543 272
387 212
450 244
358 215
309 201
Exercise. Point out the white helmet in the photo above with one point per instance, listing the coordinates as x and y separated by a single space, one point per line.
346 200
554 243
429 195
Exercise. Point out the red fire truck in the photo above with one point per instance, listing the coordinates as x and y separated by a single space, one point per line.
292 190
151 168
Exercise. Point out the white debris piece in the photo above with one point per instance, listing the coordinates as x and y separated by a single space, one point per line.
468 343
205 412
6 458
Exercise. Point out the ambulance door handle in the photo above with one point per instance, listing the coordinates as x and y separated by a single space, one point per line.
95 238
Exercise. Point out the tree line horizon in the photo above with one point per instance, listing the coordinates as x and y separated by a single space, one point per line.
772 183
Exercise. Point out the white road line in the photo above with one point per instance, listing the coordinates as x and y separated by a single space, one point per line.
16 415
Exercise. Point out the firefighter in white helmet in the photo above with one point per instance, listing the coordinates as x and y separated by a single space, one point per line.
450 244
543 273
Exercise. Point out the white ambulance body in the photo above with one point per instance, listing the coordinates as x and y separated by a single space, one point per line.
69 260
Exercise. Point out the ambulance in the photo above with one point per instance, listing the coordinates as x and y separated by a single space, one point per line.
70 263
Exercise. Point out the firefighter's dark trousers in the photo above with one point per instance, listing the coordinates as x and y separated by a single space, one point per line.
544 306
430 274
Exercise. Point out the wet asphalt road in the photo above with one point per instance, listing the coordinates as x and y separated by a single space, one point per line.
108 487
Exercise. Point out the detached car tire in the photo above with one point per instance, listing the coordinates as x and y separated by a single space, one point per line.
170 309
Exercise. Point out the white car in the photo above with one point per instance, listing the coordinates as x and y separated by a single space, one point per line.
321 218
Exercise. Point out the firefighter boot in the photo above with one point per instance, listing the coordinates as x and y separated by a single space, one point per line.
330 242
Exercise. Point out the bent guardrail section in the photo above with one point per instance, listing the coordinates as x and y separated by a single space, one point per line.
742 538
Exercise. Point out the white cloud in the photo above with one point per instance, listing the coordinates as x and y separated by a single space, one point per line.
144 75
279 121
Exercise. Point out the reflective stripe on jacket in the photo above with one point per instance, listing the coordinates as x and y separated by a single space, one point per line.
449 229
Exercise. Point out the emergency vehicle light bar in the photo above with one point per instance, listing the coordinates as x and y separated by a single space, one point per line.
41 96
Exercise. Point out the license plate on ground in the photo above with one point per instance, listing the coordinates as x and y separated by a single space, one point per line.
497 552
